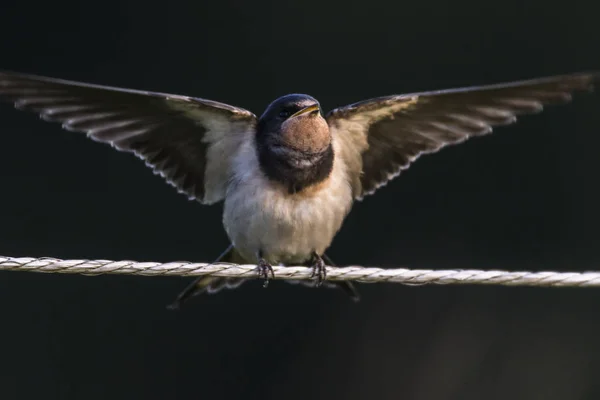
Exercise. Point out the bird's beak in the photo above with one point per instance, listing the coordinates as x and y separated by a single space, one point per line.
309 109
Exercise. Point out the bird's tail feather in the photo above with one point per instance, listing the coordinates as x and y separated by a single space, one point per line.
346 286
212 284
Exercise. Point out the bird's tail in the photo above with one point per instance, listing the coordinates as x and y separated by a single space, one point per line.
211 284
346 286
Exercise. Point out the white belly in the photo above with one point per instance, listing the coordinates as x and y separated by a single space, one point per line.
260 217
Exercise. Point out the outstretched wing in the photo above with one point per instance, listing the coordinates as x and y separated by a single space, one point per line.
186 140
381 137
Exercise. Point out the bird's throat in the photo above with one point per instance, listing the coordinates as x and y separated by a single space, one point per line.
294 169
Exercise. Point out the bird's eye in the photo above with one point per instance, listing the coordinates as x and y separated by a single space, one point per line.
284 114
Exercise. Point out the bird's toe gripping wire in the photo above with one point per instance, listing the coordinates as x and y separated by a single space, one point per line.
318 269
264 269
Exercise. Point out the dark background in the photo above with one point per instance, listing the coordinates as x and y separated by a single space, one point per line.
524 198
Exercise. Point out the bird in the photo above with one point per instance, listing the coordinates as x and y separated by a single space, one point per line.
289 178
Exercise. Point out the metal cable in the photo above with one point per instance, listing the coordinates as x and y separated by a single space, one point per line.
353 273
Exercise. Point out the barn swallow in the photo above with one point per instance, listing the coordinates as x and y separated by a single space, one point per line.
289 178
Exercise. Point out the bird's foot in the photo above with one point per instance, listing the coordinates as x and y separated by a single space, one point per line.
264 268
319 270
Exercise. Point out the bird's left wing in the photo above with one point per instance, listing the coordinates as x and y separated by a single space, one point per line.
188 141
381 137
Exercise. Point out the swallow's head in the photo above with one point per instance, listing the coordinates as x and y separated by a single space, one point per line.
295 122
292 135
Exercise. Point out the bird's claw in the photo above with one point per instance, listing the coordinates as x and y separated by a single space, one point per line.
318 269
264 268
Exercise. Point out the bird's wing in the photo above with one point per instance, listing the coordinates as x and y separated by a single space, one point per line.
381 137
186 140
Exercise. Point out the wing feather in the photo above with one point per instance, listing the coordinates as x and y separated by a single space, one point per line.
382 136
183 139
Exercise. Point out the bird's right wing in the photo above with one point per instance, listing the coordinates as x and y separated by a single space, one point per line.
188 141
381 137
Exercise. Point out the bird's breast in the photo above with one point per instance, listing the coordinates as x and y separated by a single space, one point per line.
260 215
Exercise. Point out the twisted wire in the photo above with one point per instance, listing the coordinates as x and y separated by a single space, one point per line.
352 273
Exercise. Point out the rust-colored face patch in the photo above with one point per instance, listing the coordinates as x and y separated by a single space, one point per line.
307 132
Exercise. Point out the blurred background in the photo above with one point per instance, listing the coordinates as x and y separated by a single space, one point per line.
525 198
